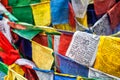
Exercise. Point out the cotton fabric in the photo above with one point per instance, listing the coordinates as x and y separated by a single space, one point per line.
42 56
83 47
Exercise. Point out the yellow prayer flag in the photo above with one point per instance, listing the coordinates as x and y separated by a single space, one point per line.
41 13
42 56
83 21
66 27
15 72
108 55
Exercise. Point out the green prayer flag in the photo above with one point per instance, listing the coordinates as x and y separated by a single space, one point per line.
28 33
23 14
22 2
3 68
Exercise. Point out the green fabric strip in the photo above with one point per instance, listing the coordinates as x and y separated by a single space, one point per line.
28 33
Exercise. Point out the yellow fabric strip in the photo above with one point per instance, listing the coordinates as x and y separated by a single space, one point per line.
15 72
42 56
41 13
108 55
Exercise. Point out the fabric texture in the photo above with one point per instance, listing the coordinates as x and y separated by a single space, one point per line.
48 30
102 26
65 40
15 72
93 73
3 68
16 26
83 48
80 7
5 28
30 74
117 29
23 62
59 11
66 27
41 39
28 33
21 2
42 56
50 41
2 75
71 16
83 21
56 42
41 13
63 77
44 74
80 27
102 6
24 16
68 66
91 16
7 13
114 15
25 48
9 54
107 59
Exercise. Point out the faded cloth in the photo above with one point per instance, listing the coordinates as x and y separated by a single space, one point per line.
41 39
83 48
102 26
56 42
114 14
23 62
5 28
44 74
93 73
80 7
107 59
68 66
102 6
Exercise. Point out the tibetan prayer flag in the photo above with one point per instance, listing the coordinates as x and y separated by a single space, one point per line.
59 11
44 74
68 66
102 26
41 13
114 15
107 59
93 73
23 13
80 7
28 33
42 56
22 2
83 48
102 6
41 39
65 40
